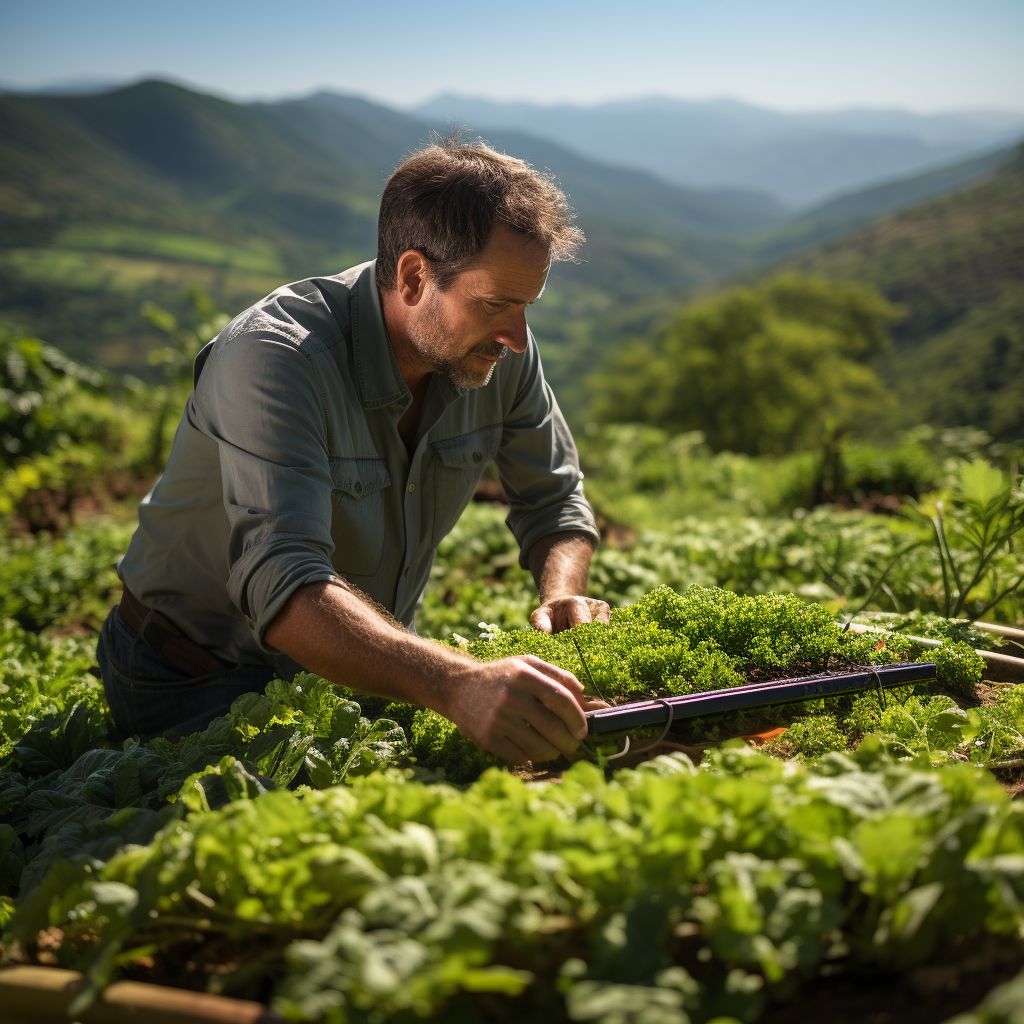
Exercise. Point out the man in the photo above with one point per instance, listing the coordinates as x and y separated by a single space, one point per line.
336 431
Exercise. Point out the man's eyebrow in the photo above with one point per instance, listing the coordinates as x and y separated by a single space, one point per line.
511 299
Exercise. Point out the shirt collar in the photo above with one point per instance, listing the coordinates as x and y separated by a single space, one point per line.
379 380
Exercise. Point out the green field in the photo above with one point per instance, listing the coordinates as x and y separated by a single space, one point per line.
256 256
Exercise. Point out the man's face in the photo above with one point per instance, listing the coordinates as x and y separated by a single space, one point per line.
463 331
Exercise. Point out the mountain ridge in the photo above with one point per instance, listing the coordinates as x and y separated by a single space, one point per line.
953 265
136 195
800 158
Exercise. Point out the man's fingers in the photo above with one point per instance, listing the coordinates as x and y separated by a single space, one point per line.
526 731
542 736
566 612
589 609
532 711
506 747
574 612
554 699
541 619
560 675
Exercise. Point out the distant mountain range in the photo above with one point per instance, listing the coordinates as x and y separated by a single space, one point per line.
836 217
126 183
798 159
955 268
65 87
111 199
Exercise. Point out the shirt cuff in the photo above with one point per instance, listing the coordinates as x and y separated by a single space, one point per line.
573 515
263 580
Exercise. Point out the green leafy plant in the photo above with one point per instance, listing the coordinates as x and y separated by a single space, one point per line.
706 891
975 537
977 540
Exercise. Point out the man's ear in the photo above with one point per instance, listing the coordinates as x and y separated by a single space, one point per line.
411 275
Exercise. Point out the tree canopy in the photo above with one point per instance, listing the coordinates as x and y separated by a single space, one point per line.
764 369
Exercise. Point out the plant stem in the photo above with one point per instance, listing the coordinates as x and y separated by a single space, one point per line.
885 572
945 556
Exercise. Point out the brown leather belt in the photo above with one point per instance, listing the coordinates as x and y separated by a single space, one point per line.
167 640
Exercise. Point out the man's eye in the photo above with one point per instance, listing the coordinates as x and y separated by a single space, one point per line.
493 307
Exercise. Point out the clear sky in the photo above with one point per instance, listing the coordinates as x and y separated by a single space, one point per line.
923 55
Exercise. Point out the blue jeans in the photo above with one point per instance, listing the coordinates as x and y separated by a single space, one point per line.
150 697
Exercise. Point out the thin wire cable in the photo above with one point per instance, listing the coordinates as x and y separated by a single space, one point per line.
878 682
650 746
586 668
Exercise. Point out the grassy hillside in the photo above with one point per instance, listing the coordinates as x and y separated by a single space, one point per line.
839 216
955 266
111 200
141 194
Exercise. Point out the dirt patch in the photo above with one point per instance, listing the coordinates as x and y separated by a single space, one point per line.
53 509
925 995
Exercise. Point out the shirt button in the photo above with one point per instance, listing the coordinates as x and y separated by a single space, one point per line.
358 488
412 488
478 456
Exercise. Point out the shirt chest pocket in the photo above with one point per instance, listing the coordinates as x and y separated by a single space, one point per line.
459 462
358 520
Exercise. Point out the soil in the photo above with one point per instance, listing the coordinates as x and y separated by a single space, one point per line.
53 510
927 995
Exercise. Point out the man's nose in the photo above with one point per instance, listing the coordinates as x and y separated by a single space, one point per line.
513 335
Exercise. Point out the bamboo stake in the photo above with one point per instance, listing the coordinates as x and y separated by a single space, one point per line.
992 627
1004 661
983 627
42 995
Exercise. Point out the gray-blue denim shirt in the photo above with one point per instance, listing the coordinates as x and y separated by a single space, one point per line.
287 468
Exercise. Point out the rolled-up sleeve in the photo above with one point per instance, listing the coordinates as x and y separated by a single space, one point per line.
538 464
260 400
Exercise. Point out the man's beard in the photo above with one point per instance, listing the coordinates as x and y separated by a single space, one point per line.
432 340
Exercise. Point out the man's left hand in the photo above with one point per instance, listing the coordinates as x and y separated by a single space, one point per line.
565 612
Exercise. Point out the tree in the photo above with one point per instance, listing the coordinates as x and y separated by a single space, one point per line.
763 370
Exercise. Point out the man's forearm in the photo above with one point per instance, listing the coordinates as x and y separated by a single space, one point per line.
337 633
560 564
519 708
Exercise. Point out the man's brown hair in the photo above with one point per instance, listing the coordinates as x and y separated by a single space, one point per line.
444 201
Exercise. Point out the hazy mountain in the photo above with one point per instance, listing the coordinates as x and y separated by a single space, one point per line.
110 199
837 217
974 128
955 267
138 194
800 159
65 87
330 147
635 195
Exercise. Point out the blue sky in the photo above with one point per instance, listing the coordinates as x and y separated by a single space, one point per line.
786 54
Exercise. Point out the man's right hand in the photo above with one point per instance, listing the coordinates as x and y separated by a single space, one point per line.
521 709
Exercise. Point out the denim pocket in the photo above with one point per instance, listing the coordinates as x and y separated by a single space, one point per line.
149 697
357 521
142 689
